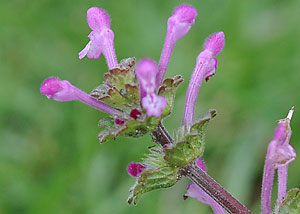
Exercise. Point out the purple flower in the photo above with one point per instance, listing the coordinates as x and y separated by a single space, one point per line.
195 191
179 24
280 153
205 68
154 104
135 169
146 72
101 37
63 90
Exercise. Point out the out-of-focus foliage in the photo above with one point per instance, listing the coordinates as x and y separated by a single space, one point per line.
50 157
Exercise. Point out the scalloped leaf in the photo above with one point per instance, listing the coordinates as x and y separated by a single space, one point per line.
158 174
167 90
291 203
120 89
137 128
122 75
131 127
189 145
163 165
132 93
153 179
106 122
110 133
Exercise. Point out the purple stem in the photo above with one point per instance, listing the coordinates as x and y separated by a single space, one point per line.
214 190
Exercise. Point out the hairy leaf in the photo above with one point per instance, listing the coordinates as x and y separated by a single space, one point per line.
189 145
120 89
158 174
167 90
291 203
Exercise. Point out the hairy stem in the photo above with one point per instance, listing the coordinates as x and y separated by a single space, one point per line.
161 135
214 190
202 179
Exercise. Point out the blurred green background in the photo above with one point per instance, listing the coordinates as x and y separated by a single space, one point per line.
50 157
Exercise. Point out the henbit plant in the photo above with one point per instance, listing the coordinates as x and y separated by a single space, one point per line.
137 100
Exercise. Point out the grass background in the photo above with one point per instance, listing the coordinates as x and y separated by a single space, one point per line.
50 158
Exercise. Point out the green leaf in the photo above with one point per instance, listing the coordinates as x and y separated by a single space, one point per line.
158 174
120 89
123 74
153 179
106 122
291 203
163 165
167 90
111 133
132 93
137 128
131 127
189 145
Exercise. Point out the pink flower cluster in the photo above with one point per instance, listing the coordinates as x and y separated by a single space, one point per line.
149 74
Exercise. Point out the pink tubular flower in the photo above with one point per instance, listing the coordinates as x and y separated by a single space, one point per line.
135 169
146 72
195 191
154 104
205 68
63 90
179 24
101 37
280 153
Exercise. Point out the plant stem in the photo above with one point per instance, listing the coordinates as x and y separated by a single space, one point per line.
161 135
214 190
202 179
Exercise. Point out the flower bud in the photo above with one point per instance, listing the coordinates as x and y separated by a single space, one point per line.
135 169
